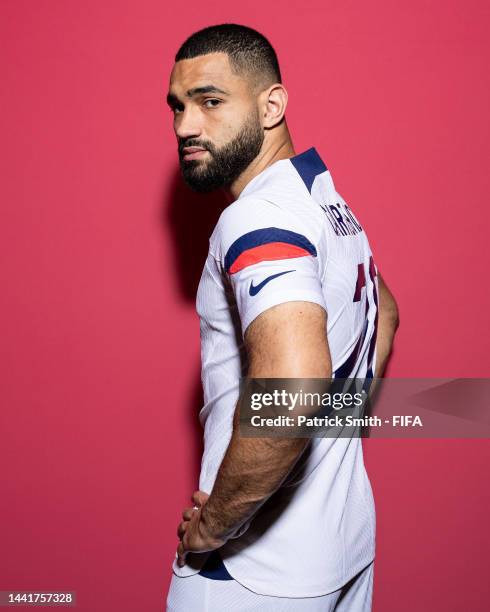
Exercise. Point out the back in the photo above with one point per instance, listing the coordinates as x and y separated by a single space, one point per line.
290 236
348 279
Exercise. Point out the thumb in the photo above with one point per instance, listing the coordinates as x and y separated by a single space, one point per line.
200 498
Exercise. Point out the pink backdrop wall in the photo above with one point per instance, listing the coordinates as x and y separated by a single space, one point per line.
102 248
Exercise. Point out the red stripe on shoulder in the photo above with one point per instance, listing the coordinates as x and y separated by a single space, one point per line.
267 252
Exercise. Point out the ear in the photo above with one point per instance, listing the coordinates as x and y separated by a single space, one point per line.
274 101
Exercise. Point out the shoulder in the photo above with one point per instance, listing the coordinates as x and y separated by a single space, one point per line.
248 213
254 220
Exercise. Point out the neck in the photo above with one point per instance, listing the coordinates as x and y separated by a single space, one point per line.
280 148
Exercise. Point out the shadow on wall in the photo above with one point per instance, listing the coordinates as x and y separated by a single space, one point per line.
188 219
191 218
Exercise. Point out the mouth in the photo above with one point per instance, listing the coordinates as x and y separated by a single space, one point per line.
193 153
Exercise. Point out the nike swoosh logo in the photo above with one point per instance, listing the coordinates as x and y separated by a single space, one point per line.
254 289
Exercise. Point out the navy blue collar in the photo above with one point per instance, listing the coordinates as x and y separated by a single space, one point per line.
308 164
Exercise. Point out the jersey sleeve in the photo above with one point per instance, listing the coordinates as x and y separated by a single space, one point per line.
269 257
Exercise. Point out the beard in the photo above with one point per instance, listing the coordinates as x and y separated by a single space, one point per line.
227 162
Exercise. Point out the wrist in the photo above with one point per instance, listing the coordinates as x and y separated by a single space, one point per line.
209 530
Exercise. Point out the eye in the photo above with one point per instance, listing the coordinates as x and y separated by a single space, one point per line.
215 102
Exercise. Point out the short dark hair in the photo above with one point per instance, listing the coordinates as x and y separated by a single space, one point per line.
249 51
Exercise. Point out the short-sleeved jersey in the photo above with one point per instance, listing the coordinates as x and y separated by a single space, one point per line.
290 236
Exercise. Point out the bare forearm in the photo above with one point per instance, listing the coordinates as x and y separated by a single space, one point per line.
254 468
384 344
251 471
388 321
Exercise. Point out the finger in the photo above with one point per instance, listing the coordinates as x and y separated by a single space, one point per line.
181 529
199 497
181 553
195 499
188 512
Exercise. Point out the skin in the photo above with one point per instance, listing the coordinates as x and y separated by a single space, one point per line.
388 322
217 117
253 469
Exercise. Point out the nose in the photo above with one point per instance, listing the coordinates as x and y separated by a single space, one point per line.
187 124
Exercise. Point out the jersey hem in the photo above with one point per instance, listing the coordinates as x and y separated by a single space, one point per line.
314 591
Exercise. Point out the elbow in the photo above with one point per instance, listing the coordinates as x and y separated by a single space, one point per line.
388 307
321 367
327 371
395 316
391 314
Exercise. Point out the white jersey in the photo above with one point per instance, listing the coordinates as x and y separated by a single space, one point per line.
290 236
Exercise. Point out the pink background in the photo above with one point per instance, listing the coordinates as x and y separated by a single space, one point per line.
102 248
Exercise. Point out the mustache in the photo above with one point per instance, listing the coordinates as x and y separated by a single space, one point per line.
194 143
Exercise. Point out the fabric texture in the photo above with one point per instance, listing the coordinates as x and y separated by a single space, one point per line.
198 594
290 236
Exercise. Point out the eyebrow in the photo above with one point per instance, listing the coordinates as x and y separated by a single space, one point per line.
172 98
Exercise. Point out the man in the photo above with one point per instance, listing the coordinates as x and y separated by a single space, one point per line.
289 290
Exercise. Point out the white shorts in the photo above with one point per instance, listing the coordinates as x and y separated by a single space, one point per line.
199 594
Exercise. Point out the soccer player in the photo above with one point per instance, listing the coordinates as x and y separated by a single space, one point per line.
289 289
